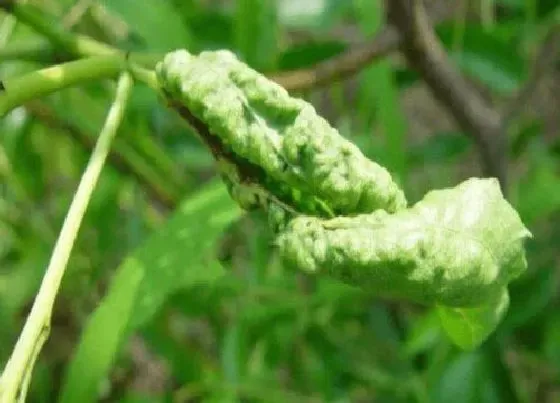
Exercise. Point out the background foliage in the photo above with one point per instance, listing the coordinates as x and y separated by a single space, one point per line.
172 294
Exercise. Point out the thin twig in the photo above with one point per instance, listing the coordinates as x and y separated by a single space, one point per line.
346 64
342 66
37 326
472 112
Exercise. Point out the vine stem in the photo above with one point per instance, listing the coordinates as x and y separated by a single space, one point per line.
15 379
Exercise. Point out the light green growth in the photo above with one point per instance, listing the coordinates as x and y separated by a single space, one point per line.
338 213
259 122
457 247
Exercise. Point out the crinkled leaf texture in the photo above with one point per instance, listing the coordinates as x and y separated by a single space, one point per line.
457 248
284 136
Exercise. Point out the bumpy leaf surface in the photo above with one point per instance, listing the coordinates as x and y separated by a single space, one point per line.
259 121
457 247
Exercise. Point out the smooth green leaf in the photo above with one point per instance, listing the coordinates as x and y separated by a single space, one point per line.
102 338
179 255
183 252
470 327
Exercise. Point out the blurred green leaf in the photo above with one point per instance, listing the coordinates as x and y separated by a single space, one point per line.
156 22
309 53
466 380
485 57
537 194
423 335
27 161
530 295
214 30
234 353
256 33
179 255
440 148
542 8
21 280
523 137
102 338
182 253
379 96
551 344
469 327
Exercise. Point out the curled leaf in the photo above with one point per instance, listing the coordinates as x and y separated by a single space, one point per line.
258 122
457 247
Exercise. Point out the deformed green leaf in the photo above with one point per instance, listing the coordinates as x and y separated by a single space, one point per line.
258 122
457 247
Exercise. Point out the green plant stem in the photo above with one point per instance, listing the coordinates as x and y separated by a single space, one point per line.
145 76
36 84
75 44
68 42
14 380
22 89
40 51
80 45
36 51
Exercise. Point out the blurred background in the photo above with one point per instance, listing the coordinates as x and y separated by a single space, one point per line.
173 295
